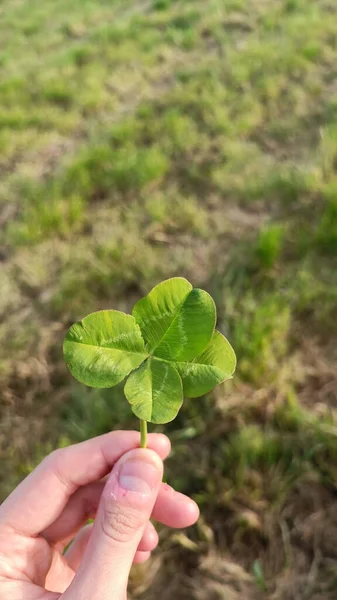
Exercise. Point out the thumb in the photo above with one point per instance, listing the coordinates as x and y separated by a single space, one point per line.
126 505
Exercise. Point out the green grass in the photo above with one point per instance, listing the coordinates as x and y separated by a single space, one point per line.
269 245
143 140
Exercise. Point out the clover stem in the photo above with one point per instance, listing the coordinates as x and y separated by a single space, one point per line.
143 434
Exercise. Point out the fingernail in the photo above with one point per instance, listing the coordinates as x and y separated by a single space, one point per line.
138 476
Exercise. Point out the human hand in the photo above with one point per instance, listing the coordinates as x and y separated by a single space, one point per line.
108 477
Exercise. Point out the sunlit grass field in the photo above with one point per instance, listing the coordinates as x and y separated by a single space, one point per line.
143 140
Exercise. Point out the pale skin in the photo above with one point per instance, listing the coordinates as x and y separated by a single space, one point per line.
108 478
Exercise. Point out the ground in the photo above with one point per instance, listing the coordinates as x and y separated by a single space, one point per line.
142 140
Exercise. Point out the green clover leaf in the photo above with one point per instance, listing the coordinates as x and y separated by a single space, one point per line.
168 348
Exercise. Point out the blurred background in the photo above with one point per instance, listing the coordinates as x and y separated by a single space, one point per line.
140 140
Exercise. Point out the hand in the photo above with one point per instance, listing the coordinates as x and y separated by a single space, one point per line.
108 477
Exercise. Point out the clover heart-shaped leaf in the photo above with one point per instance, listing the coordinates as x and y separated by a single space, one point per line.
103 348
155 391
213 366
176 321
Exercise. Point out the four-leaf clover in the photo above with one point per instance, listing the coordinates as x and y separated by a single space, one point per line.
168 348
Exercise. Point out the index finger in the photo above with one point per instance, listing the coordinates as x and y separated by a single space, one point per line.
42 496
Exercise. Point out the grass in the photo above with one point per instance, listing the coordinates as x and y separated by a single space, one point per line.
143 140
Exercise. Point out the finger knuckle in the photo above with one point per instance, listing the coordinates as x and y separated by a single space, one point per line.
121 525
54 462
54 458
